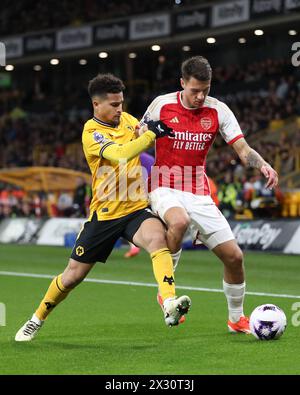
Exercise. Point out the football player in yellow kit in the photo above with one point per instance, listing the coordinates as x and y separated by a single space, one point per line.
112 141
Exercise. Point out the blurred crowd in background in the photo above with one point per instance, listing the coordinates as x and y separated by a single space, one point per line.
39 128
15 202
15 16
42 115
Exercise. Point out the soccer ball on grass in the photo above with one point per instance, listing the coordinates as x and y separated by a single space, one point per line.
267 322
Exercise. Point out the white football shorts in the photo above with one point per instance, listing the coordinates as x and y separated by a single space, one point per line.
208 224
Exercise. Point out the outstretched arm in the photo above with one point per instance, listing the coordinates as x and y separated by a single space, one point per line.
115 152
251 158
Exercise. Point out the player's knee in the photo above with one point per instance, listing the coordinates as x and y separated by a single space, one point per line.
236 259
157 240
73 275
179 225
72 278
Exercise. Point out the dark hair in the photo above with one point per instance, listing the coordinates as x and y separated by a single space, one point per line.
105 83
197 67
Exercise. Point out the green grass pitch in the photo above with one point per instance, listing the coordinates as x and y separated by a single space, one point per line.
109 328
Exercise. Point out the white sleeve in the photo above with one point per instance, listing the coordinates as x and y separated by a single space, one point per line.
228 124
153 111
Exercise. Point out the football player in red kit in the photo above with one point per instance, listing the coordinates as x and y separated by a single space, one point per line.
179 187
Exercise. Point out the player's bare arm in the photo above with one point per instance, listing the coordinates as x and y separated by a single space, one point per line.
251 159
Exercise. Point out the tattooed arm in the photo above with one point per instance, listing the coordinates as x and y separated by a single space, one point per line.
250 158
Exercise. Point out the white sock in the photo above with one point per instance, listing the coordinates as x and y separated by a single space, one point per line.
175 258
35 319
235 297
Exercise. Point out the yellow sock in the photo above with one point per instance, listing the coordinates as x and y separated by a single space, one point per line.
55 294
163 272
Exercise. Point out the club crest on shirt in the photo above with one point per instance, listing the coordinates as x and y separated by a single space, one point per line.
146 118
206 123
98 137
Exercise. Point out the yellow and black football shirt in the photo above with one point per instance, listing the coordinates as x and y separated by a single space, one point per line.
117 184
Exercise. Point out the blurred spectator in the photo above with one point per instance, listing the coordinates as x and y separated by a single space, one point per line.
228 195
214 191
162 74
264 203
79 199
65 204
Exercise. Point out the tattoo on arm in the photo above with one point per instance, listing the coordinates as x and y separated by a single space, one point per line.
253 159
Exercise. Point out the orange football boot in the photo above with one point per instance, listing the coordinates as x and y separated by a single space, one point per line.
241 326
132 252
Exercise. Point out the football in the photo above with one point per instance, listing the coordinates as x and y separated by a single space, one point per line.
267 322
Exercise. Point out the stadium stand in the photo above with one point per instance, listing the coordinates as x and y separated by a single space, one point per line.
31 137
15 17
41 117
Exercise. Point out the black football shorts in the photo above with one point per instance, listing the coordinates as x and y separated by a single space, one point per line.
97 238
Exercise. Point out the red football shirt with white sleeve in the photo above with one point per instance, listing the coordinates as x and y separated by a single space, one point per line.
180 160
